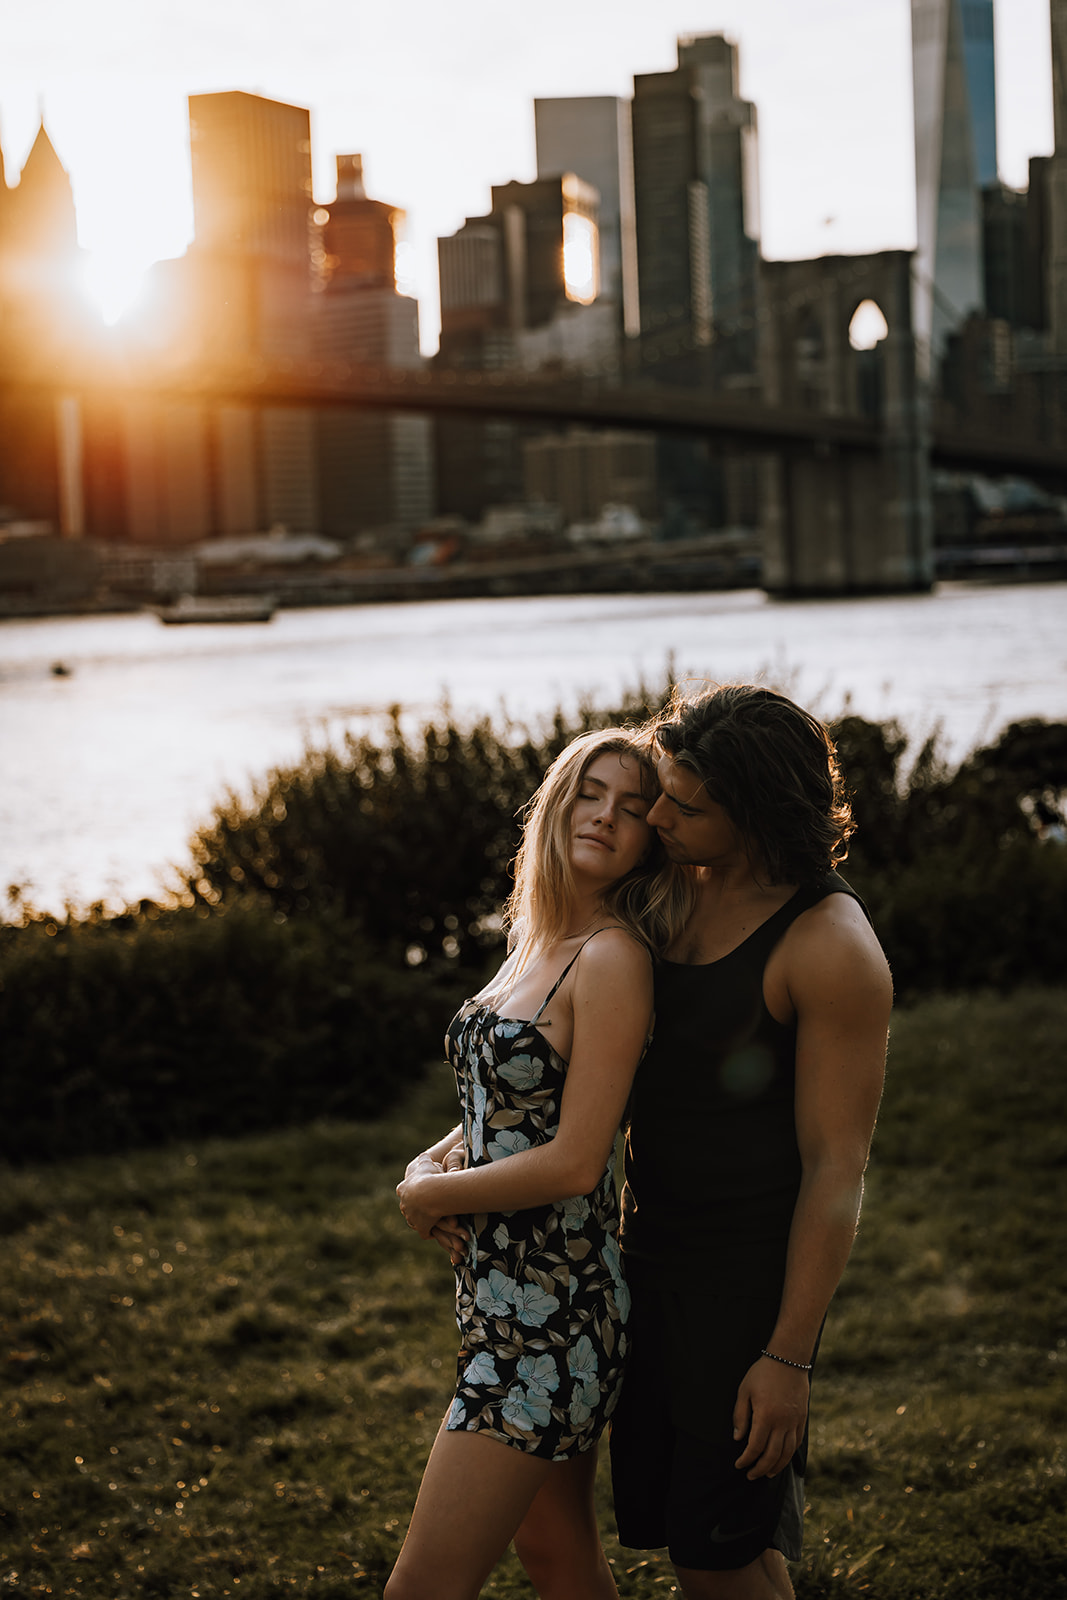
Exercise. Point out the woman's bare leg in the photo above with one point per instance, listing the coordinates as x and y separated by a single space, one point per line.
559 1541
475 1492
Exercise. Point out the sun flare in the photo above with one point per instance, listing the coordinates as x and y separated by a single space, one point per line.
580 258
113 283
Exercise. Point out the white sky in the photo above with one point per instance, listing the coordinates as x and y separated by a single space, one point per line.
438 98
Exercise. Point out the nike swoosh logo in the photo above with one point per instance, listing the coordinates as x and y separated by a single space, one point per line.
717 1536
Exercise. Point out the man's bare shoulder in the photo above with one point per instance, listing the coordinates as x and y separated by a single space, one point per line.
836 913
833 942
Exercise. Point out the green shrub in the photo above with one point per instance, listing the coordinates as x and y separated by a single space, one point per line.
964 890
326 928
411 838
415 841
136 1030
1000 795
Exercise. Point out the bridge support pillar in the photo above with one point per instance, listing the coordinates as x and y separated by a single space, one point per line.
837 520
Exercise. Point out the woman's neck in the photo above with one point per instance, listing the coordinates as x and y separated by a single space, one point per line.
585 913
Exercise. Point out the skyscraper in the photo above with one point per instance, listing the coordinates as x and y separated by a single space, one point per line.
251 161
1056 284
696 192
39 303
591 136
249 280
375 468
697 203
39 214
954 87
728 161
41 316
519 288
522 285
359 235
1006 268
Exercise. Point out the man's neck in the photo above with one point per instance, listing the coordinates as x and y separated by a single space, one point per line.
731 902
734 878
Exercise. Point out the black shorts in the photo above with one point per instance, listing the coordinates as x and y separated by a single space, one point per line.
672 1444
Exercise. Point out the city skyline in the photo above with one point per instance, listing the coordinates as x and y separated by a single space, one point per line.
456 115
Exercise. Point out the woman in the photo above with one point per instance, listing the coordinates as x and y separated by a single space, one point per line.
544 1058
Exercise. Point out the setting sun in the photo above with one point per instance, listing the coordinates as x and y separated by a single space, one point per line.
113 282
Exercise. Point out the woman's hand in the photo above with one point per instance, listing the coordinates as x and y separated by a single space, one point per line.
416 1196
451 1237
446 1231
442 1153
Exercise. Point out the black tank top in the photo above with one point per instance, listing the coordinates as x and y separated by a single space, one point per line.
712 1164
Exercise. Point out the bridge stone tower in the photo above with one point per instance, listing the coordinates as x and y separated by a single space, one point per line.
839 521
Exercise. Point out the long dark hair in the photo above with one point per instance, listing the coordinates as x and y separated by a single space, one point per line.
772 767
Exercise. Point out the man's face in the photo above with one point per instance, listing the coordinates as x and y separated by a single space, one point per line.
695 830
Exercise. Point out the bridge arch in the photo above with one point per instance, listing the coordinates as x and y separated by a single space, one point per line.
831 525
867 326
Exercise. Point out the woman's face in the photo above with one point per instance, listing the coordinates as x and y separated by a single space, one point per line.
609 831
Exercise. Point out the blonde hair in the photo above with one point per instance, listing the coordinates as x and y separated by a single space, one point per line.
651 902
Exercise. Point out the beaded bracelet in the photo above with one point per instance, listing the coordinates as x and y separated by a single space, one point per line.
801 1366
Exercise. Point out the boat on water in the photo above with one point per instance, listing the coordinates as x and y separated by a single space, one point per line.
218 608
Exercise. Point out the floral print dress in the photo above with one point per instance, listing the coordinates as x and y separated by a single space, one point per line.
541 1301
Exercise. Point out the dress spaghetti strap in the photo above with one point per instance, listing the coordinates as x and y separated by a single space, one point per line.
551 993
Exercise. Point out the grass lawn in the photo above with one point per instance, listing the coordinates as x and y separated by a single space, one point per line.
224 1363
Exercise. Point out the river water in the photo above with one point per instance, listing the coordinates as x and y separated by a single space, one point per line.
104 772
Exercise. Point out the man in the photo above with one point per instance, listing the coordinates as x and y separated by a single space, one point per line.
751 1121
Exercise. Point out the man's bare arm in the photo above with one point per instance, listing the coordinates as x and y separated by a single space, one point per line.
839 986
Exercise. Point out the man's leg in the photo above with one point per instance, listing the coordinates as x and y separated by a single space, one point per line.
767 1578
679 1487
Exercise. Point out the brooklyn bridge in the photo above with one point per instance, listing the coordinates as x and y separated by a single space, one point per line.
612 335
843 443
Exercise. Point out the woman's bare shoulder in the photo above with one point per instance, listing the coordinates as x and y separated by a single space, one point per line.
613 950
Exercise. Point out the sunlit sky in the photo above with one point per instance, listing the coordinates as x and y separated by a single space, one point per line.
439 100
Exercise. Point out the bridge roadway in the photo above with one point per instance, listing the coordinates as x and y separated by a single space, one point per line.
729 417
